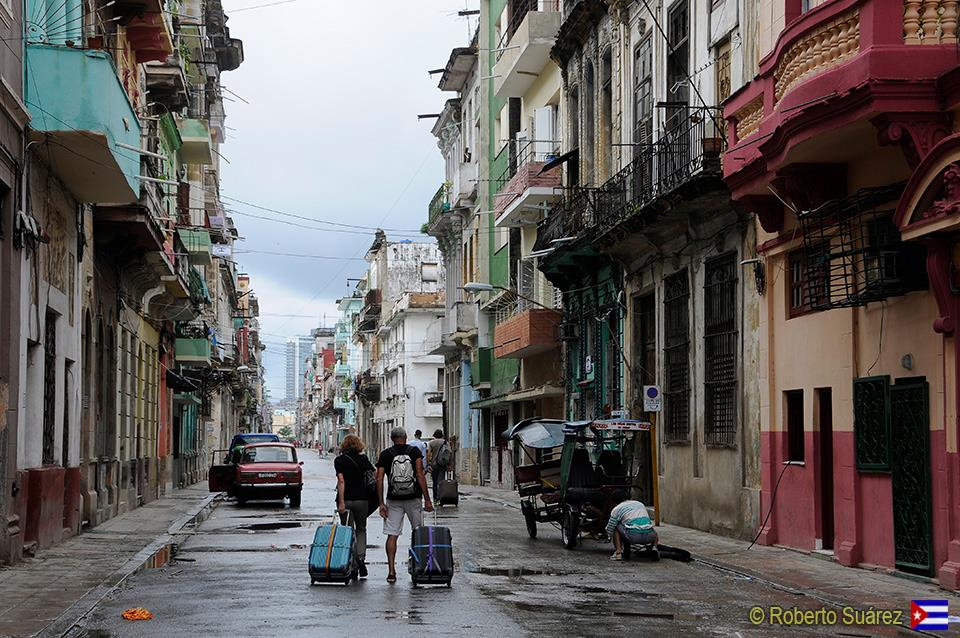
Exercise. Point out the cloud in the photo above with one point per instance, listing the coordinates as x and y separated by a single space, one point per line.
330 132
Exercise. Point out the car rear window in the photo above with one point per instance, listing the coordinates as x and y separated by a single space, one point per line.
268 454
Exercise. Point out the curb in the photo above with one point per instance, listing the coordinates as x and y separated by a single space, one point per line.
68 620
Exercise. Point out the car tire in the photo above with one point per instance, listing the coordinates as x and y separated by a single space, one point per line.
241 500
295 498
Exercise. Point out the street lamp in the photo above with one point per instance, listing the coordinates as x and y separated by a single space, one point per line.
476 286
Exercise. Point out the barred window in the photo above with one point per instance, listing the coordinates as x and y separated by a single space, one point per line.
676 353
720 346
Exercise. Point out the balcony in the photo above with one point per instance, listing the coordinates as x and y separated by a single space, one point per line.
576 27
147 28
458 68
833 73
525 47
569 220
527 333
524 193
167 84
439 205
192 352
198 246
197 146
678 172
80 110
368 319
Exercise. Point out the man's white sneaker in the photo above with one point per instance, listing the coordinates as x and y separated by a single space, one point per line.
617 556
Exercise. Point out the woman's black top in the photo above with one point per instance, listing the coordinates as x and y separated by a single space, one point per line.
353 466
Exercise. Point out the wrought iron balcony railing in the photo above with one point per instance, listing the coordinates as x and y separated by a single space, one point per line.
517 154
439 204
690 144
570 219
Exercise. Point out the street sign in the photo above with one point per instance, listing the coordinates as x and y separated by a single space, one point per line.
652 399
618 414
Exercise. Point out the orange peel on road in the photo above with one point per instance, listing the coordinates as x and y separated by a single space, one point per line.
137 613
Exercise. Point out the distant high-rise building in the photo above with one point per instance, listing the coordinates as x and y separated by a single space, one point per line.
304 352
293 387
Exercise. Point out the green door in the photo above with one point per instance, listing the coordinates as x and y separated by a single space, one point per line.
910 466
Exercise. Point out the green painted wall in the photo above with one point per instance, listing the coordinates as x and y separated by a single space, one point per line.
503 371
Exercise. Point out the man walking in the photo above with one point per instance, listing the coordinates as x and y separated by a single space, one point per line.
402 464
438 459
420 444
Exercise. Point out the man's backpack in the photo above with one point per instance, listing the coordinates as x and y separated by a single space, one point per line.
443 455
403 479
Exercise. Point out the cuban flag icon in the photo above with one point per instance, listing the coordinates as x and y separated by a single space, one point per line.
929 614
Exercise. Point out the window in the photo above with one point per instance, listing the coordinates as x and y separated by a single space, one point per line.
722 66
871 423
720 350
793 412
643 92
796 279
678 40
5 207
587 147
606 115
440 380
573 174
676 355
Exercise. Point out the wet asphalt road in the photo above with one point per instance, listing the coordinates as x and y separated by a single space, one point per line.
243 573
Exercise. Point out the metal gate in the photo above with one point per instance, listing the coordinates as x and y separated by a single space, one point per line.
912 507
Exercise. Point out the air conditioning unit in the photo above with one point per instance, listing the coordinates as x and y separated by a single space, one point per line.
569 331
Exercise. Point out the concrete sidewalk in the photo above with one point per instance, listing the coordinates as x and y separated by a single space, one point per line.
800 573
47 594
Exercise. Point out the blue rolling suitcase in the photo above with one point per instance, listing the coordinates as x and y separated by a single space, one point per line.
333 555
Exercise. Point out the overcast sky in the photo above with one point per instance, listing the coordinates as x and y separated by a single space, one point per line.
330 133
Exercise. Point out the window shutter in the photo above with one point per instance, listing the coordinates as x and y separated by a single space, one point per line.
871 423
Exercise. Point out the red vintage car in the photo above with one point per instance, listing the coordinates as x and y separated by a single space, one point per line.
265 471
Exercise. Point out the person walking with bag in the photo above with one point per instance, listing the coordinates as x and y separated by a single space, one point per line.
438 459
407 495
355 485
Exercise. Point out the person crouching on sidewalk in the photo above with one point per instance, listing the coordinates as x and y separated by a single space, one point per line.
629 524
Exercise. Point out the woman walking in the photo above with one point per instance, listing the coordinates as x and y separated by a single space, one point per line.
352 469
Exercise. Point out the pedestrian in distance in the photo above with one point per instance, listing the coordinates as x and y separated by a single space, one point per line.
420 444
438 459
402 466
353 498
629 524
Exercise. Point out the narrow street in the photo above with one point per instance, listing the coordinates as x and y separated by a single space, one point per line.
243 572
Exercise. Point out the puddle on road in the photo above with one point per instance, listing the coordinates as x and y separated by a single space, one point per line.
512 572
162 557
412 616
273 525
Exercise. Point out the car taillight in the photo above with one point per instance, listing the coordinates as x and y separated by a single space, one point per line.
291 474
248 475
